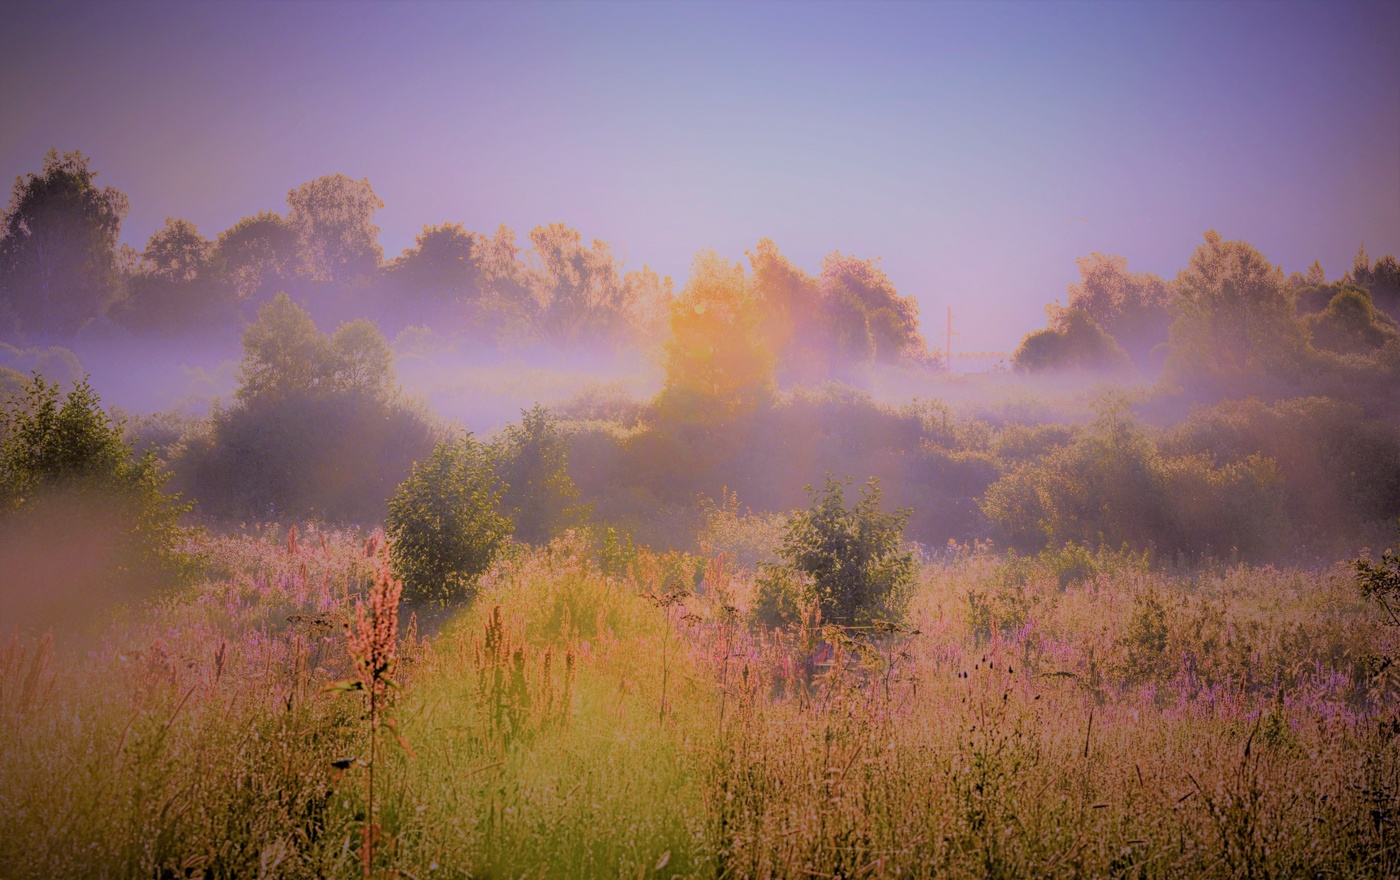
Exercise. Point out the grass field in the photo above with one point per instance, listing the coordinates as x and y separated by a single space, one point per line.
1028 718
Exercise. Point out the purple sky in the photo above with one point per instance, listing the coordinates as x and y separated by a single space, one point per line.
977 149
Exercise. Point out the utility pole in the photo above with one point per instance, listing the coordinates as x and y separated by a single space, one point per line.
948 347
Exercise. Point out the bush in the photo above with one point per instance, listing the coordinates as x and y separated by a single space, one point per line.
851 554
83 517
532 462
444 524
335 456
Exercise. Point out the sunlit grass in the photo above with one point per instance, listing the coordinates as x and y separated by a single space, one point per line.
1225 721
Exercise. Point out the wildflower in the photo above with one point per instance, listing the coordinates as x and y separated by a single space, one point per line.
374 636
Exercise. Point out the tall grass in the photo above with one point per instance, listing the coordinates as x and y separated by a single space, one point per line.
1051 716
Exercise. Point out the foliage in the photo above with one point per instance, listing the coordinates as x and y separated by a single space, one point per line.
578 296
532 462
337 456
718 366
443 265
258 254
67 460
851 555
874 322
1113 486
284 353
58 246
1351 324
316 430
1132 308
1235 317
1073 342
819 328
333 217
444 522
178 285
1381 279
1381 580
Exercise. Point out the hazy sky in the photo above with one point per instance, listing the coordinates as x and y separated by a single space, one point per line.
978 149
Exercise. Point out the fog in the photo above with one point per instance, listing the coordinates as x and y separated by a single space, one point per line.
286 368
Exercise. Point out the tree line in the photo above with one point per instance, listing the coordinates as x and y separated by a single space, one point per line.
63 270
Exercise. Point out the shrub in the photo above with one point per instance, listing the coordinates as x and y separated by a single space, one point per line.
65 471
851 554
532 462
444 524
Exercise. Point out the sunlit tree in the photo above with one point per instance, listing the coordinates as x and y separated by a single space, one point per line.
1235 316
334 220
360 360
58 244
794 319
1133 308
860 289
283 351
284 354
717 364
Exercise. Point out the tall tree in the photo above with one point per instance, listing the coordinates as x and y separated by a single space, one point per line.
283 352
334 219
1235 316
58 242
861 290
576 295
794 319
175 285
718 365
1133 308
442 266
258 254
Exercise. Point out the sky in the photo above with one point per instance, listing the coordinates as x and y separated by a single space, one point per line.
976 149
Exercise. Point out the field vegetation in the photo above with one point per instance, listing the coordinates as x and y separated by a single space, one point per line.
813 608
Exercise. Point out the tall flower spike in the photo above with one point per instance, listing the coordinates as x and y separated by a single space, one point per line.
374 637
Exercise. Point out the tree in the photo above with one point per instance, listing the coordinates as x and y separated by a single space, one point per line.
334 220
65 464
577 295
1381 580
1132 308
258 254
1235 316
891 321
794 320
443 265
58 243
282 351
444 524
851 556
175 284
1072 342
718 366
360 360
532 461
1351 324
1382 280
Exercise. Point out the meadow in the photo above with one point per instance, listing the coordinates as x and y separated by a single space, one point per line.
1058 715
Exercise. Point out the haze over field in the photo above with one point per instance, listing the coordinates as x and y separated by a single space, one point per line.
484 440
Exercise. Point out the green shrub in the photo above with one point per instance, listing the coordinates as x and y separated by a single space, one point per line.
83 518
532 461
780 597
851 554
444 524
